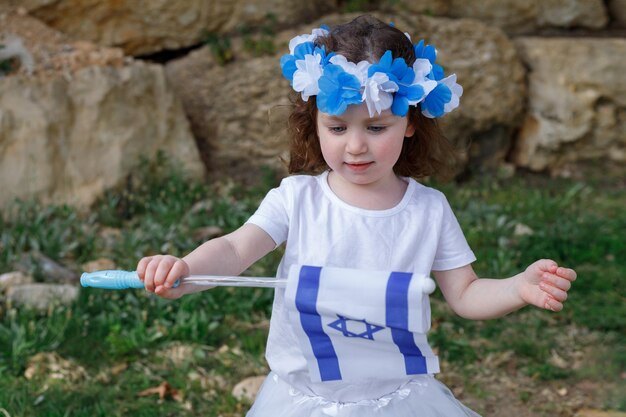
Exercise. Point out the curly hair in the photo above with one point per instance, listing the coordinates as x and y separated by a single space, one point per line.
428 152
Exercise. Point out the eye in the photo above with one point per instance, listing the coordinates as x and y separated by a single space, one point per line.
377 129
337 129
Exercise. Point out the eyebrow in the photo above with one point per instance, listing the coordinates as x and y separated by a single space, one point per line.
373 119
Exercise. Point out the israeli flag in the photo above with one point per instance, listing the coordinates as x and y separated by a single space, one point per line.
355 324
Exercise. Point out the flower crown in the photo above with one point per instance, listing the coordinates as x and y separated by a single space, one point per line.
390 83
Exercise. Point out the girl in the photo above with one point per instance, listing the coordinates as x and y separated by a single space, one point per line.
364 125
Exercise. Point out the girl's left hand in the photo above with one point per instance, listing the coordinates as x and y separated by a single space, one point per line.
545 284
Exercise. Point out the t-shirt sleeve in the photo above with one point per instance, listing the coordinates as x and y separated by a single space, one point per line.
453 251
273 214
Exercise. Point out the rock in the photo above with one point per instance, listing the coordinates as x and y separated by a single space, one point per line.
576 104
248 388
228 107
41 296
523 230
100 264
146 28
37 262
617 10
238 111
516 17
426 7
11 47
11 279
82 122
50 365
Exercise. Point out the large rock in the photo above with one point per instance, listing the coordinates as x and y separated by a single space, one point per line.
576 104
229 108
147 27
41 296
515 17
493 80
80 124
617 10
237 111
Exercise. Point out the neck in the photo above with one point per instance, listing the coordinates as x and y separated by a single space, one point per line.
381 195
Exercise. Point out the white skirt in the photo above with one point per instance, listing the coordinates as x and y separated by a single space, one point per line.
423 396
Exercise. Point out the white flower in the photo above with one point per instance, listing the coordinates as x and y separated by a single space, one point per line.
306 38
422 68
378 93
358 70
308 72
457 91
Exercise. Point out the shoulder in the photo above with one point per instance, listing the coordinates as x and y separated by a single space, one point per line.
429 195
298 184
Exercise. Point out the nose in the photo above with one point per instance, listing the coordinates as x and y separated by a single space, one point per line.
356 143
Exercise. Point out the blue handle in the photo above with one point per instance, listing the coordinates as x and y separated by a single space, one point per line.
113 280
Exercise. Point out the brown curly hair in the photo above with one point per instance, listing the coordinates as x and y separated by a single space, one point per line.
426 153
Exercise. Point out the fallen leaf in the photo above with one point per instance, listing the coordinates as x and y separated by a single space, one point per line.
163 390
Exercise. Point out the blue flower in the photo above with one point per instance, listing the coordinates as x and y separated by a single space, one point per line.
399 72
338 90
429 52
434 103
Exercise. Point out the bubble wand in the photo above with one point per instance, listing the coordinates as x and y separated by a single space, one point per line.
119 280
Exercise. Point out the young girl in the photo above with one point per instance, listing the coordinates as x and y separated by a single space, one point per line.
364 125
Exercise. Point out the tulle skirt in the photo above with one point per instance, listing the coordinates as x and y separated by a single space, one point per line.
423 396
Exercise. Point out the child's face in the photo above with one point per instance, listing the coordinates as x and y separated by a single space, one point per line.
362 150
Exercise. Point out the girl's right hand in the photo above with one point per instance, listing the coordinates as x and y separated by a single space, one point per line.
160 272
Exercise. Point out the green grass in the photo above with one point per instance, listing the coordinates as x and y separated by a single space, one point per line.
224 331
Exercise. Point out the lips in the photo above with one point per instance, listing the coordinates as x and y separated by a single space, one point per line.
358 166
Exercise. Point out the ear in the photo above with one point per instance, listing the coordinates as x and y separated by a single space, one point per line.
410 129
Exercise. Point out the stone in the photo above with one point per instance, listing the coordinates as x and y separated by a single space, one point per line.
53 272
99 264
248 388
51 366
41 296
617 10
426 7
80 124
522 17
10 279
576 104
141 29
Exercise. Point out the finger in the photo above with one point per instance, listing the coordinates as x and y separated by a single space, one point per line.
552 304
163 270
547 265
153 264
566 273
141 266
557 281
170 293
556 293
179 270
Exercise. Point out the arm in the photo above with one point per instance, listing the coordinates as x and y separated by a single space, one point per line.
230 254
543 284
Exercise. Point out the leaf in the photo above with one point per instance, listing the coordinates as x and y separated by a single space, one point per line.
163 390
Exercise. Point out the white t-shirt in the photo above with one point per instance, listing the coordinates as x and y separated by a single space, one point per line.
418 235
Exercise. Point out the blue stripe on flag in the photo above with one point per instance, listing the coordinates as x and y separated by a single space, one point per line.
306 300
397 309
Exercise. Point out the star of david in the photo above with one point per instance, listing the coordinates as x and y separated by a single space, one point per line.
342 326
